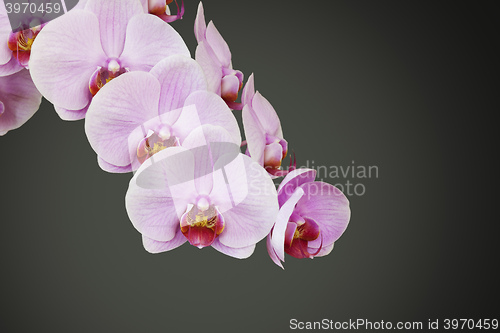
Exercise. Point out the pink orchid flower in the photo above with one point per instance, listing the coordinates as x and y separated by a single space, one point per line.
78 53
214 56
312 216
264 136
139 114
19 100
8 62
228 208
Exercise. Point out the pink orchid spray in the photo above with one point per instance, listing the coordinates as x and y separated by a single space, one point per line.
151 109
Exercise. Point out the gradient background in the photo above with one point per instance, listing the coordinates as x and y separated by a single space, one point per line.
406 86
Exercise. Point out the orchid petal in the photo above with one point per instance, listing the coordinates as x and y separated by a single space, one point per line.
113 16
272 252
218 45
108 167
278 234
211 67
170 170
71 115
152 212
19 99
179 76
327 206
154 246
159 193
323 252
212 147
238 253
145 5
10 67
294 179
208 108
255 135
117 112
266 115
5 30
148 41
290 229
200 26
61 64
246 197
248 91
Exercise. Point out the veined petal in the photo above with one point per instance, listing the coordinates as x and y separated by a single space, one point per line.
152 212
179 76
206 108
278 233
200 26
117 111
328 206
212 147
19 98
160 192
211 67
246 197
108 167
154 246
272 252
266 115
148 41
71 115
113 16
248 91
254 134
238 253
170 170
63 57
11 67
218 45
323 252
294 179
5 29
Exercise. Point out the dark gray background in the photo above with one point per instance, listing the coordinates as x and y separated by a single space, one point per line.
403 85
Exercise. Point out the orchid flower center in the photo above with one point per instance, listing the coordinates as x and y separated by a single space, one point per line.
103 75
20 43
202 223
155 141
23 39
299 234
274 152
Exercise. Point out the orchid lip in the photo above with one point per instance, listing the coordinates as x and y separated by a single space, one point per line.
103 75
20 43
298 235
201 227
155 141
